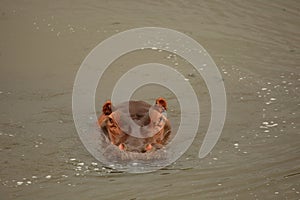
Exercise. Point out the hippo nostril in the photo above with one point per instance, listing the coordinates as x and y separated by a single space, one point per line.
148 147
122 146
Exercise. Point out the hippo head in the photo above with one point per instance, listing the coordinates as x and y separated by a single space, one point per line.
136 126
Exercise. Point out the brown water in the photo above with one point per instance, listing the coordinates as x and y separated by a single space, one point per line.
255 44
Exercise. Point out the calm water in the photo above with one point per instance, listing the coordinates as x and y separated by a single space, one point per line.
255 45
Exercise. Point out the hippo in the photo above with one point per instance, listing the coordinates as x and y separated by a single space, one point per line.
136 126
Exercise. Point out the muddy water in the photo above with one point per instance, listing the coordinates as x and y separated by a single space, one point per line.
255 45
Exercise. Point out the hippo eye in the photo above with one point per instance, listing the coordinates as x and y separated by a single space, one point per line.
160 121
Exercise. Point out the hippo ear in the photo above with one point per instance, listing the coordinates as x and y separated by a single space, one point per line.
161 102
107 108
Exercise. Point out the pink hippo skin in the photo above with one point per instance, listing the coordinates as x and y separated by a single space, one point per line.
117 126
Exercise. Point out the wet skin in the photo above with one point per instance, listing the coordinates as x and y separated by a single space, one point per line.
136 126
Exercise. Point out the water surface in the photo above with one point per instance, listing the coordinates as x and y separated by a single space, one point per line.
255 45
